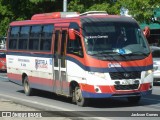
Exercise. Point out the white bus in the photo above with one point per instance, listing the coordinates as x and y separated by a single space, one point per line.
83 56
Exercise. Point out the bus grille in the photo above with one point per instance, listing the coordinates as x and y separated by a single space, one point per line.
125 75
126 87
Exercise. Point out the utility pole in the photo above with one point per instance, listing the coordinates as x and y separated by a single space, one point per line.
64 5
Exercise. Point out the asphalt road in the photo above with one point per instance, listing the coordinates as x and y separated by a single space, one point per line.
101 109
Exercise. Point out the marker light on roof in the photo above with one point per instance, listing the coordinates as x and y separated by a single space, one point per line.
54 15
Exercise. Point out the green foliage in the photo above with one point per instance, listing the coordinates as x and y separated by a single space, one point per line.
12 10
38 1
99 7
141 10
76 5
4 26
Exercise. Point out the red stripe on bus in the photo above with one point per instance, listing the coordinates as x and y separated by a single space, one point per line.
111 89
92 62
40 81
17 77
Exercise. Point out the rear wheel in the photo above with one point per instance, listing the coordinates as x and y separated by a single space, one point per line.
79 99
134 99
26 85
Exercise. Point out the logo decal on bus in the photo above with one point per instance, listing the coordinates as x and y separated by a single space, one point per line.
110 65
41 64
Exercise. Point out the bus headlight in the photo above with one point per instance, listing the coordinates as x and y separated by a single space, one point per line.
101 75
148 72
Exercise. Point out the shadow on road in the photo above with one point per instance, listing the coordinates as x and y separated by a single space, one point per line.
49 95
99 103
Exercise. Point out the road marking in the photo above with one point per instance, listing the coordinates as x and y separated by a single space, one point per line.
54 107
35 102
46 105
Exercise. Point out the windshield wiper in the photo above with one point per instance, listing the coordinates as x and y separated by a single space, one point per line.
138 53
103 53
108 54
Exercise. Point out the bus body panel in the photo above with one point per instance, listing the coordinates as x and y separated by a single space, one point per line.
89 83
92 74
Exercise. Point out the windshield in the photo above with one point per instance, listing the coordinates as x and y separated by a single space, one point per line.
106 39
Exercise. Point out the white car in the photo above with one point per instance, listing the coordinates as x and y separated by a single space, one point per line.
156 62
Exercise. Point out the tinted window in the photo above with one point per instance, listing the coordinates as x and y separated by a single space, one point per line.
14 32
63 48
57 34
24 36
35 37
25 31
46 38
35 31
75 47
13 38
47 31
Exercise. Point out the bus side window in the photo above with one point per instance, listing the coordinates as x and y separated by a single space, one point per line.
35 37
24 36
12 44
13 38
75 47
46 38
57 37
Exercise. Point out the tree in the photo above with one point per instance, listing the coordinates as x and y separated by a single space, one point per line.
12 10
45 6
141 10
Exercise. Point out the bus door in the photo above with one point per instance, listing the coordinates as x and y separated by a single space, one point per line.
60 61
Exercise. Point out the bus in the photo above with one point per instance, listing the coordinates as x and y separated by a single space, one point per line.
85 56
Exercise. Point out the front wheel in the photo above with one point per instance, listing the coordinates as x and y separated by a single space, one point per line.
134 99
26 85
79 99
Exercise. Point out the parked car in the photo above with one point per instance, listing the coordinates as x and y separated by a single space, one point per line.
156 63
2 43
3 60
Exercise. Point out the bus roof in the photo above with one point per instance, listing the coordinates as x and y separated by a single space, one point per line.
55 17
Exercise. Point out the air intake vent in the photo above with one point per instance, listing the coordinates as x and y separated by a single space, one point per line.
126 87
125 75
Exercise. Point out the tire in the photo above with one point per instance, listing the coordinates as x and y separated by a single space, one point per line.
27 90
78 98
134 99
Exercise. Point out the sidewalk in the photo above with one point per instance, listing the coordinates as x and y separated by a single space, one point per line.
7 105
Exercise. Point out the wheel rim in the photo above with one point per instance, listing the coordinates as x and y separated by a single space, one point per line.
78 95
26 86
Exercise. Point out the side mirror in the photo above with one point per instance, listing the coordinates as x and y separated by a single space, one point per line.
146 31
72 35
